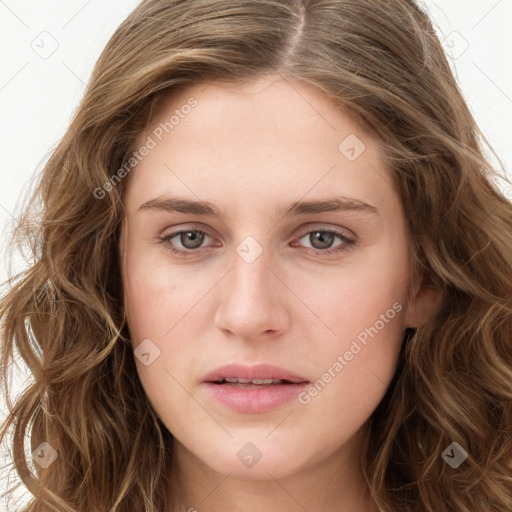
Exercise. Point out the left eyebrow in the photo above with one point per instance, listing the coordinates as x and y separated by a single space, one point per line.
326 205
204 208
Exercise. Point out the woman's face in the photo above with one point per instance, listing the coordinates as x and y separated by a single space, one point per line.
303 265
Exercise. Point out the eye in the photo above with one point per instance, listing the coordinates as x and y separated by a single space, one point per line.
322 240
189 242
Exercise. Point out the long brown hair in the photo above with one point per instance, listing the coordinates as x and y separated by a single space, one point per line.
383 62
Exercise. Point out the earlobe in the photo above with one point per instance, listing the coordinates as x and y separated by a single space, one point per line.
422 305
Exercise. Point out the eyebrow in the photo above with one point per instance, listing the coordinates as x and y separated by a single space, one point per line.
204 208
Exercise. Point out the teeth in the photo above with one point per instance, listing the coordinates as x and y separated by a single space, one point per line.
234 380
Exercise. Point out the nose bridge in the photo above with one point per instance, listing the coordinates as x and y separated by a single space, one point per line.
251 272
253 256
251 299
252 281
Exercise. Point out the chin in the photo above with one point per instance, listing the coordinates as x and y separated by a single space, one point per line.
257 460
262 470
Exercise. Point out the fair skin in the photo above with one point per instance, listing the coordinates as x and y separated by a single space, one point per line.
249 150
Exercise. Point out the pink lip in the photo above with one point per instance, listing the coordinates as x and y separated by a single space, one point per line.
255 399
259 371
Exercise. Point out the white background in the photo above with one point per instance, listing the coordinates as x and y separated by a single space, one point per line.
40 92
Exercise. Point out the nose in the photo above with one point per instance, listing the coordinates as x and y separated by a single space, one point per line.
252 300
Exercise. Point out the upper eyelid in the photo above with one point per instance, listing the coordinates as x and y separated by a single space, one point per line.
338 230
349 233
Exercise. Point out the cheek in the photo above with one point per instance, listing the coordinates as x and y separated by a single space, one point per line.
165 306
356 357
159 305
157 295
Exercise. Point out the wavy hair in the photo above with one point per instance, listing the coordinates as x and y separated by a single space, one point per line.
383 63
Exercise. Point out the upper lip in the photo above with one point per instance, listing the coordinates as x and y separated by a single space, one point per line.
259 371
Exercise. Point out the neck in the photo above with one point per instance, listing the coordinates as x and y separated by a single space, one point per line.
330 485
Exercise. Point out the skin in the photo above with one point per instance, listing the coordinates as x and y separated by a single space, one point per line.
249 149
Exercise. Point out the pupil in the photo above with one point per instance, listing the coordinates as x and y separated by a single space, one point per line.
323 237
190 236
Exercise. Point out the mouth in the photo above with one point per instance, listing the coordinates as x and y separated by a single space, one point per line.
253 389
253 383
261 375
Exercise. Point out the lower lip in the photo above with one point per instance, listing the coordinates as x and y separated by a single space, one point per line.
255 399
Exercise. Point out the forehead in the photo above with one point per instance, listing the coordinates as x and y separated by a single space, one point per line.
266 136
273 105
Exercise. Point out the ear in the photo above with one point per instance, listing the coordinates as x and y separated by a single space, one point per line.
423 303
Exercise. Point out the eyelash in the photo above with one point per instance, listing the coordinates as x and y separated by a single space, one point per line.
348 243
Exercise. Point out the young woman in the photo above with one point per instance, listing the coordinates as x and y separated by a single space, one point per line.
271 272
